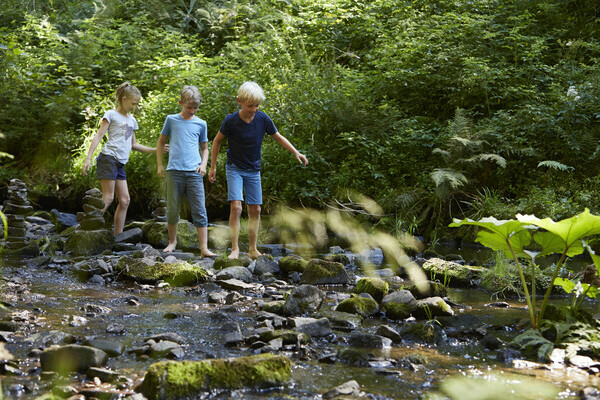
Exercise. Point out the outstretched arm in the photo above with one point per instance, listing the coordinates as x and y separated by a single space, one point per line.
95 142
289 147
212 174
160 145
139 147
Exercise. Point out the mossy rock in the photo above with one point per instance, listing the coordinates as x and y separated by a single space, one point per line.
223 262
274 307
87 243
176 274
451 273
292 264
433 289
286 335
376 287
363 306
340 320
341 258
323 272
168 380
155 233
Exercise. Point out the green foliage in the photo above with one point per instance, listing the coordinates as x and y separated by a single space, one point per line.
564 237
532 341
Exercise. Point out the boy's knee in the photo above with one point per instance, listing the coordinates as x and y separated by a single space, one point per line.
236 207
254 210
108 200
124 201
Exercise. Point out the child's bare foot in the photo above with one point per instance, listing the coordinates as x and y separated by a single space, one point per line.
207 253
254 254
234 255
170 247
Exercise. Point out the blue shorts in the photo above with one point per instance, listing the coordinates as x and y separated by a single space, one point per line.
246 179
190 184
107 167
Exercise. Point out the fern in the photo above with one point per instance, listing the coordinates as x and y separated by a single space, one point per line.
449 177
532 341
555 165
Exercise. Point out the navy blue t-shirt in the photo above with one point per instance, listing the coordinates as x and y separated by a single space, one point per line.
245 140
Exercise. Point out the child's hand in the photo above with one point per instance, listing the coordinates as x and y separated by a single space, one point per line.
201 169
160 171
302 159
86 167
212 175
166 148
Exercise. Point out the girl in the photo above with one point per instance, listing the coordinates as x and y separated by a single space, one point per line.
120 125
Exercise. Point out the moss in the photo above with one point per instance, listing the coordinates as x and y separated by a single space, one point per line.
362 306
275 307
354 357
341 258
176 274
85 243
156 234
452 273
324 272
287 336
397 311
434 289
223 262
376 287
292 264
187 379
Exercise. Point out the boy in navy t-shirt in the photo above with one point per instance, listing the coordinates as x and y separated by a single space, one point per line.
245 130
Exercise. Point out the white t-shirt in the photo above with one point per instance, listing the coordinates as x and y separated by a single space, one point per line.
120 131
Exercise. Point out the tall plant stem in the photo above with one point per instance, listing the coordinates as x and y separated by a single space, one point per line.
549 290
527 297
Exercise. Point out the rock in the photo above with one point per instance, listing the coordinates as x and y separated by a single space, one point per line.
155 233
236 284
341 320
322 272
105 375
86 243
377 288
146 271
190 379
432 307
390 333
303 299
448 271
369 340
170 336
583 362
350 388
265 265
589 393
134 235
286 335
399 304
111 347
492 342
241 273
311 326
62 220
363 306
292 263
72 358
222 262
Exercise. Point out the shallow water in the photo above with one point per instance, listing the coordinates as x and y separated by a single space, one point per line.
54 295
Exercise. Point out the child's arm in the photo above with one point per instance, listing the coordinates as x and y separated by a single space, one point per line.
289 147
212 174
95 142
159 155
204 153
139 147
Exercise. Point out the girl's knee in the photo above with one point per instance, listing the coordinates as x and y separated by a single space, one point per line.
108 199
124 201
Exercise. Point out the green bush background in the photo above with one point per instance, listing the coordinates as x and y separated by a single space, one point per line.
366 89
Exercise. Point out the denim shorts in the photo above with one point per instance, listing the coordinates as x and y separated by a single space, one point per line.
240 181
107 167
190 184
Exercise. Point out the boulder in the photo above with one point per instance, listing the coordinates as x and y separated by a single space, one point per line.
143 270
87 243
322 272
432 307
303 299
376 287
72 358
399 304
190 379
292 264
363 306
449 272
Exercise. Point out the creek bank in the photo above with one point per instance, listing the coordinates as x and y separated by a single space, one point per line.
337 314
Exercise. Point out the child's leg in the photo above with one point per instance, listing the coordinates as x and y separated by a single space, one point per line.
253 190
175 190
108 192
253 224
195 195
235 212
122 193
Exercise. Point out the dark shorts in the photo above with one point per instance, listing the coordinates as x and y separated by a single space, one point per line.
107 167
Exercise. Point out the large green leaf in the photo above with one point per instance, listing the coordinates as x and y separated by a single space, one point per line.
499 233
568 232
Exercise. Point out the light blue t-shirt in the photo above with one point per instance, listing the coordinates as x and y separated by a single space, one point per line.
185 136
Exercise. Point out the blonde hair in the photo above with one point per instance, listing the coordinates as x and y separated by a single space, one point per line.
250 91
191 94
126 89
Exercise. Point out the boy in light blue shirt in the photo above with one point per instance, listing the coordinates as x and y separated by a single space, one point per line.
188 157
